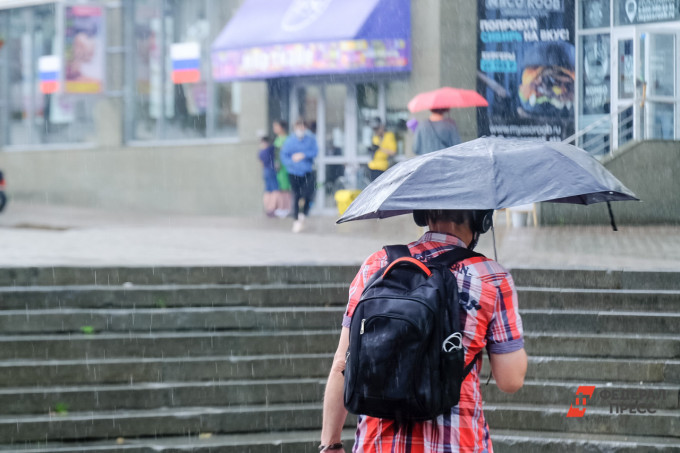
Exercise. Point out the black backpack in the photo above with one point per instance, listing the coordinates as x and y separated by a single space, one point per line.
406 357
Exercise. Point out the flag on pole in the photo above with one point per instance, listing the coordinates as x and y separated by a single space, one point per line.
48 70
186 62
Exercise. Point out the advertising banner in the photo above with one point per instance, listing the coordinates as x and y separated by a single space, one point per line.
596 75
527 68
312 58
84 49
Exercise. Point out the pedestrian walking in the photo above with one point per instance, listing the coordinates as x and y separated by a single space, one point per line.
271 185
383 147
297 155
408 361
439 131
284 199
488 307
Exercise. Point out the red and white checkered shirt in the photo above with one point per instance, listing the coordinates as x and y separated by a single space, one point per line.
489 313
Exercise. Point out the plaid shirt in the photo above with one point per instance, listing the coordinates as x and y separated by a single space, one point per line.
489 301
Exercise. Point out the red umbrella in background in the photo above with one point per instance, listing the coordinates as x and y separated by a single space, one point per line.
446 98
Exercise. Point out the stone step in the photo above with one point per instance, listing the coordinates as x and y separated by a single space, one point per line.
607 394
165 344
153 395
593 278
286 318
609 345
264 442
150 395
556 320
562 278
662 423
516 441
255 419
160 422
598 299
226 275
168 369
217 368
304 295
504 441
169 319
585 369
181 344
172 296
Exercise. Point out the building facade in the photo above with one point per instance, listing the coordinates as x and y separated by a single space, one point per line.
158 104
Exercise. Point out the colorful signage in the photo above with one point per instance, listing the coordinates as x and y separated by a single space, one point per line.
84 49
49 67
186 62
527 68
328 57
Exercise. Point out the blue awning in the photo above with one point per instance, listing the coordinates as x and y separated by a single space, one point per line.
268 39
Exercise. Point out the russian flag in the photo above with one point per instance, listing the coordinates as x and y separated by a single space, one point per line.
186 62
48 71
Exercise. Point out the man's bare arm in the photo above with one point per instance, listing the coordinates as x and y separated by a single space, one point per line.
509 370
334 412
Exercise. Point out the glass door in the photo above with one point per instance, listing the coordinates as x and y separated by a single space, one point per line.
4 78
323 109
623 86
659 69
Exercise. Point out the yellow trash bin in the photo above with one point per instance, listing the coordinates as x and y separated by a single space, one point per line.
343 198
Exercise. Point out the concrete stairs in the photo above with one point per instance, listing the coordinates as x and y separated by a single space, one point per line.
235 359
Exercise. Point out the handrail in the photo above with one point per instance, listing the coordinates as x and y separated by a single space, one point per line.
605 119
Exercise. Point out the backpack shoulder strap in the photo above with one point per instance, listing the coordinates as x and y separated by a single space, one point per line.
453 256
469 366
395 252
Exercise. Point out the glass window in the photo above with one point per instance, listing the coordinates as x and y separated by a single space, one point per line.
172 100
626 69
596 78
368 108
226 97
187 23
660 120
397 98
4 77
662 61
146 37
36 115
595 13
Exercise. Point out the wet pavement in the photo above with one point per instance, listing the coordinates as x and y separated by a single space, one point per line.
39 235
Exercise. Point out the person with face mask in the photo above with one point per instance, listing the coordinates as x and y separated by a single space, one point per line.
297 154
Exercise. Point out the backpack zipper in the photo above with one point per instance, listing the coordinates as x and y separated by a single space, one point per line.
365 321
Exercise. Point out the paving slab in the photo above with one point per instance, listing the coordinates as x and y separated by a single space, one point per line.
44 235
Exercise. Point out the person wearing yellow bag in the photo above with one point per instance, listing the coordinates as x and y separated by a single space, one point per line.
384 146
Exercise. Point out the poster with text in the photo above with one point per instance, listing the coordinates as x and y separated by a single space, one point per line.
84 49
527 68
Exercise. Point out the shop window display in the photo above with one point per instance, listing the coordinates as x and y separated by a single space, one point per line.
168 107
36 116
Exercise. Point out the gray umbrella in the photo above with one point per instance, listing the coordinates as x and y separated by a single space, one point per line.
489 173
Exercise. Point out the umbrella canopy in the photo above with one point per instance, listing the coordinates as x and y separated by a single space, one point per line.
446 98
488 173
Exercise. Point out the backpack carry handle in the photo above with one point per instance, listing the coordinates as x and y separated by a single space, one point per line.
407 261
